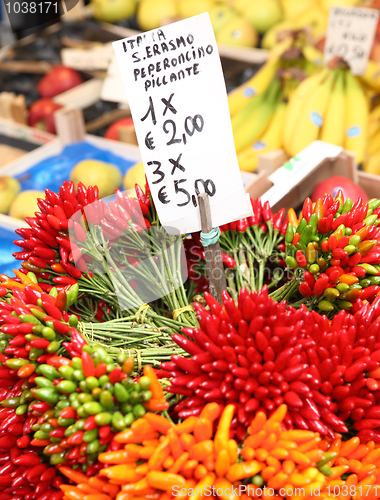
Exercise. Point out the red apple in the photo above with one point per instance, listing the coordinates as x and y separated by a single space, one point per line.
332 186
58 80
112 130
41 114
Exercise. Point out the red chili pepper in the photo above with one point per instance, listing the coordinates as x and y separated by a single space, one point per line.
72 270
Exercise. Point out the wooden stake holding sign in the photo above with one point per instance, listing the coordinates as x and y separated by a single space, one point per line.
176 92
215 271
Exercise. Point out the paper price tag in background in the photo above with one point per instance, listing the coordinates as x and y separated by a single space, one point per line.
176 91
97 58
350 35
113 89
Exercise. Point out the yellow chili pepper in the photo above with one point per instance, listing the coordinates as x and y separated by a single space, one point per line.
165 480
223 431
204 485
233 451
311 253
25 280
243 470
293 220
120 471
13 284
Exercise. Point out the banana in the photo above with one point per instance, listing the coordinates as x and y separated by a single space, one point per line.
374 141
374 115
371 76
241 116
239 97
333 130
311 118
255 124
269 141
312 54
356 125
315 19
296 105
373 164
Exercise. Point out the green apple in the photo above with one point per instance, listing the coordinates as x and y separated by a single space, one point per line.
220 15
25 204
263 14
152 13
237 32
9 189
112 11
97 173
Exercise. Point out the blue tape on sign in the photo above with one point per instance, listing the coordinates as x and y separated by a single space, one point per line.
7 248
52 172
210 238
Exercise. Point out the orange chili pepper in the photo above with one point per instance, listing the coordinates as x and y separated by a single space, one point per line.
233 451
288 467
293 220
158 423
261 454
309 445
13 284
58 268
97 496
147 451
25 280
189 466
174 443
142 426
299 436
164 480
133 450
211 412
247 453
296 239
86 489
348 279
202 429
179 463
314 455
200 472
159 455
115 457
222 463
204 485
257 423
128 436
319 208
280 453
243 470
154 405
142 469
278 481
366 246
72 492
26 370
155 386
186 426
209 462
73 475
267 473
187 441
299 458
339 471
226 489
200 451
168 462
256 440
360 452
372 457
183 492
363 232
288 445
270 441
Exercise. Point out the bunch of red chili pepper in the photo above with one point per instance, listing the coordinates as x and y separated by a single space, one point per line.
335 243
261 354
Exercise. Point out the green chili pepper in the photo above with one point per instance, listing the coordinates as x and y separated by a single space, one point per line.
65 422
106 399
10 402
96 392
93 447
22 409
81 412
53 347
314 269
145 396
48 394
144 383
92 382
118 421
126 408
348 231
80 424
104 379
103 418
73 320
291 262
130 418
93 407
301 226
85 398
313 222
325 305
48 333
257 481
87 348
33 277
70 430
28 318
138 411
76 363
83 386
347 206
53 292
89 436
35 353
289 235
374 280
49 371
57 458
43 382
40 315
121 393
369 269
72 294
66 386
331 294
16 363
369 221
345 304
374 204
342 287
78 375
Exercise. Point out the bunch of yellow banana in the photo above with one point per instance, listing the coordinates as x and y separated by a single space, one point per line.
331 106
372 166
258 107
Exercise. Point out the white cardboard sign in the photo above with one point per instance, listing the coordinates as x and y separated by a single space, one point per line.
97 58
350 35
297 168
113 89
175 87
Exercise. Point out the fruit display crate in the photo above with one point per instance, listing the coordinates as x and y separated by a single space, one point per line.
275 170
38 170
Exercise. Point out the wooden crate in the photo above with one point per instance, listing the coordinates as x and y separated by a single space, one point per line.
288 184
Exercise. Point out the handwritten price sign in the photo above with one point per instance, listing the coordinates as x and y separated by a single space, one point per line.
350 35
176 91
